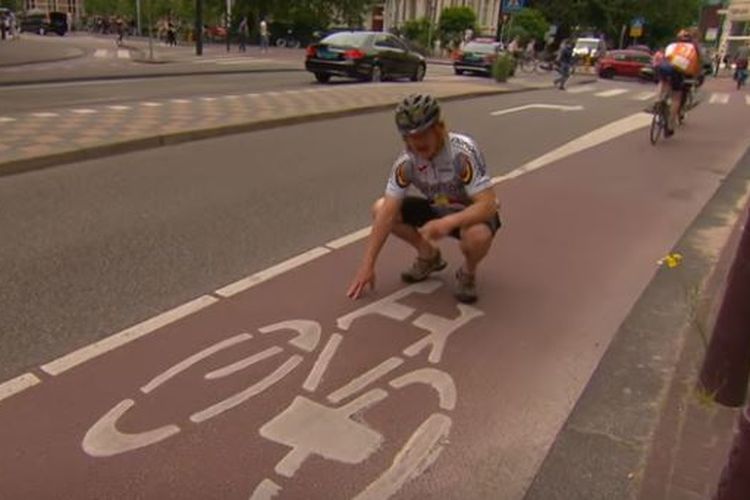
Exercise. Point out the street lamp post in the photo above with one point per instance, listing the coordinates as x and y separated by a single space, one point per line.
150 32
229 21
138 16
199 27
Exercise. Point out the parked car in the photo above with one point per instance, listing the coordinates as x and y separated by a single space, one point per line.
477 56
364 55
43 23
623 63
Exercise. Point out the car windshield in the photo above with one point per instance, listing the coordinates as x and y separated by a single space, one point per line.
346 39
484 48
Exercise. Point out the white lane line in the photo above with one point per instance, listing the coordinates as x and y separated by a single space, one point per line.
208 99
123 54
558 107
180 101
645 96
365 379
112 342
85 111
45 115
18 384
321 364
611 93
119 108
594 138
581 89
6 119
252 95
232 96
151 104
719 98
100 53
348 239
747 99
267 274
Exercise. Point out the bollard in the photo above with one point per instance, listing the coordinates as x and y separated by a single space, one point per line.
727 363
734 483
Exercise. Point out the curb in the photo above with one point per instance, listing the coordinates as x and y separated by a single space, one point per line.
603 448
101 151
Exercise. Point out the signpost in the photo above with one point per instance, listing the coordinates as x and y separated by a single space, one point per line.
636 28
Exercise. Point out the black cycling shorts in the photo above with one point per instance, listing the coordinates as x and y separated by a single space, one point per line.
668 72
417 212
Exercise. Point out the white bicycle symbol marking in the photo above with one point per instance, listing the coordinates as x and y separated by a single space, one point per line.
311 428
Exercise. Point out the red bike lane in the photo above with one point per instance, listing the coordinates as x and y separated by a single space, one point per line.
290 390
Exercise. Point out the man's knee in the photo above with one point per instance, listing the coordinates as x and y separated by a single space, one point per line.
475 237
377 207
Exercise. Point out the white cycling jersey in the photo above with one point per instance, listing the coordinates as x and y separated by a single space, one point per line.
454 175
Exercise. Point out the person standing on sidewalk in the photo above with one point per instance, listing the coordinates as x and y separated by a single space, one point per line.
244 32
565 64
459 200
264 35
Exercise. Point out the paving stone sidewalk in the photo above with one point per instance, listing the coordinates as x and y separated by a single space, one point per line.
31 140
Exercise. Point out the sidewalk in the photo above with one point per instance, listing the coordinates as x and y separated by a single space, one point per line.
33 50
34 140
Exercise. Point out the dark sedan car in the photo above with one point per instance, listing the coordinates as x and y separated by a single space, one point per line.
364 55
476 56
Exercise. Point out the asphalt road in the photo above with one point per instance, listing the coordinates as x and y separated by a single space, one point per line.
98 246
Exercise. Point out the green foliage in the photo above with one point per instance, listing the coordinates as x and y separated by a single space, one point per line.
417 31
453 22
14 5
503 67
662 19
528 24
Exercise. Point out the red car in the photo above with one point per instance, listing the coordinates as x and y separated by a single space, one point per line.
623 63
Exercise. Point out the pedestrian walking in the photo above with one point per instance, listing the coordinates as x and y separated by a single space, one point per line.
565 64
120 26
4 24
171 35
264 42
244 32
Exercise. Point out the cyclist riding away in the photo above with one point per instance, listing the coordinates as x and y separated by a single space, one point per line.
459 200
681 60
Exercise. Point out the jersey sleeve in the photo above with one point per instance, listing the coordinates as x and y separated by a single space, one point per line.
472 169
399 178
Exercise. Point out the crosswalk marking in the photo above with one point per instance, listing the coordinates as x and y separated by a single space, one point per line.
583 88
611 93
84 111
100 53
719 97
123 54
645 96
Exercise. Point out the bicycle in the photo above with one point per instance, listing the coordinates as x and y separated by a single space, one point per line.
661 110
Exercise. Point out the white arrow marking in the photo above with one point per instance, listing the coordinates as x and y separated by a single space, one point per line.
558 107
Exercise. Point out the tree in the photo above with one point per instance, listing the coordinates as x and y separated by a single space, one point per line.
528 24
418 31
454 21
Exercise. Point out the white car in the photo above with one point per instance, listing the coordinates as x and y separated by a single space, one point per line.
591 47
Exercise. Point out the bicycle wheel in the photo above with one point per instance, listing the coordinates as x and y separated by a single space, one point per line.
657 125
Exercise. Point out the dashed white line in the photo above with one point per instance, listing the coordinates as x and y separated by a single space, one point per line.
645 96
100 53
267 274
112 342
119 108
180 101
208 99
123 54
84 111
719 98
151 104
254 94
6 119
747 99
233 96
348 239
18 384
580 90
611 93
45 115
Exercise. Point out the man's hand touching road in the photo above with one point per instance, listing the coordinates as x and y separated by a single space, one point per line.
365 276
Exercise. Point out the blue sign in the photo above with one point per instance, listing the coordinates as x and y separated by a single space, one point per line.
638 22
513 5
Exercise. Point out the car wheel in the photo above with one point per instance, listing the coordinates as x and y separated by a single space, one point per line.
419 73
608 73
323 77
459 71
377 74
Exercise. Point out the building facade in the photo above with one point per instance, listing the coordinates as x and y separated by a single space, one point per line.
398 12
73 7
736 27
